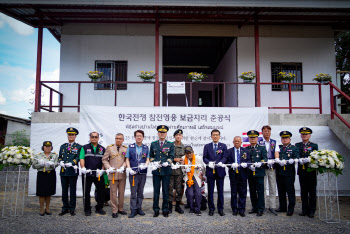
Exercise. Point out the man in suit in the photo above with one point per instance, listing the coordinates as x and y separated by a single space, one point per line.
307 179
161 151
238 175
69 159
286 173
114 161
258 156
215 156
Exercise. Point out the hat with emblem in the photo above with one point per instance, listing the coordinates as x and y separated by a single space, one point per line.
252 133
305 130
72 131
179 131
46 143
284 134
162 128
188 149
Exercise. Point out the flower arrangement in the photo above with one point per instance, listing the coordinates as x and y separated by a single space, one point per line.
323 78
326 161
284 76
247 76
147 75
15 156
95 75
196 77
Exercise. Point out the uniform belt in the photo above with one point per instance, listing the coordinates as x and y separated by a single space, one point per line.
46 171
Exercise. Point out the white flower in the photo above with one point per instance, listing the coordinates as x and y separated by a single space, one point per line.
16 161
323 157
12 152
9 160
4 162
314 166
18 156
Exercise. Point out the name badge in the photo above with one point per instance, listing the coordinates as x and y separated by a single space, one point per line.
89 150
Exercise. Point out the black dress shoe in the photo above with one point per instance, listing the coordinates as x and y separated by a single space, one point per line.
156 214
122 212
170 207
211 213
133 214
221 213
178 208
311 215
302 214
88 213
199 213
101 212
242 214
115 215
280 210
166 214
42 214
140 211
63 212
48 213
234 213
72 213
253 211
260 213
289 213
273 211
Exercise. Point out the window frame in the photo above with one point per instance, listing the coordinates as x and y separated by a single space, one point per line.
111 86
298 70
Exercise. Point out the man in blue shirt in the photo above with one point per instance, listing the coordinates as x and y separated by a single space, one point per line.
137 159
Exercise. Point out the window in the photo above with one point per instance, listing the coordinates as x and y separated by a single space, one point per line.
295 68
112 71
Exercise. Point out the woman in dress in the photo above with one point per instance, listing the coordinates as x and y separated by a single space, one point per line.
45 162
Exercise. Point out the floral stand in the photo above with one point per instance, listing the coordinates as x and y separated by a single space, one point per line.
14 187
327 197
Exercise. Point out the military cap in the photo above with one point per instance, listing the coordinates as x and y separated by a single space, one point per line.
253 133
72 131
47 143
305 130
162 128
178 131
188 149
285 134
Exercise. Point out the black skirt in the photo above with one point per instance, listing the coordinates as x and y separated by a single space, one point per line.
46 183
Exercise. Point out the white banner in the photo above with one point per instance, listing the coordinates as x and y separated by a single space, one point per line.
176 88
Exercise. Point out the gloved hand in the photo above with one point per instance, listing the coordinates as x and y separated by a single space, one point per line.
49 164
142 166
75 168
69 164
83 170
211 164
62 164
257 164
252 167
283 162
99 172
296 160
307 160
301 161
165 164
41 162
110 170
88 171
188 169
132 172
154 167
291 161
244 165
220 164
234 166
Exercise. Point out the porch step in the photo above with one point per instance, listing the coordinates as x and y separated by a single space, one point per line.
340 129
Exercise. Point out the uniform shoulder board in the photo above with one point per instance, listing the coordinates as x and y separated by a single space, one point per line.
54 152
155 141
38 153
125 146
281 146
110 145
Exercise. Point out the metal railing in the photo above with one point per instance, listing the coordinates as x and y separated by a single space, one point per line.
290 106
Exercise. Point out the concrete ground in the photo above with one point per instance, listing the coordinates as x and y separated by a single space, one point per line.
31 222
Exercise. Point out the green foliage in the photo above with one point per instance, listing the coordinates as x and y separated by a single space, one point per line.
20 138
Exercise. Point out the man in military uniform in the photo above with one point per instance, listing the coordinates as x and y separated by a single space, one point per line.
91 159
307 180
161 151
177 176
258 156
286 173
114 161
69 159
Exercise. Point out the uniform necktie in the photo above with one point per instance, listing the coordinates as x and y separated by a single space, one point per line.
118 148
70 144
161 144
215 147
284 148
238 157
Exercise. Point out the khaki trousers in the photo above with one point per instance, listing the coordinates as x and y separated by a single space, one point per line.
117 191
270 176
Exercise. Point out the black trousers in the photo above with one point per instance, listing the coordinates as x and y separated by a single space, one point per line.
256 190
308 185
285 186
100 186
71 183
238 186
158 181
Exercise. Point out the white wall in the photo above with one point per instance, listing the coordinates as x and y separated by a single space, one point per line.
315 54
227 72
78 55
12 127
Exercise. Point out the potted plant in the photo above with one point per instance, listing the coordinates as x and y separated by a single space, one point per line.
95 75
196 77
247 77
147 76
323 78
286 77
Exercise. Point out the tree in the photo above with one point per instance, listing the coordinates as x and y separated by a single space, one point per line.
342 53
20 138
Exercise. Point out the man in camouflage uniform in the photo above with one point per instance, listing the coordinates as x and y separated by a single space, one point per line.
176 176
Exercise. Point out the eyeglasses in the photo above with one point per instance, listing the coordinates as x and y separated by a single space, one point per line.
94 137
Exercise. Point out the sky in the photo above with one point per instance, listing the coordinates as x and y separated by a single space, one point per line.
18 48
